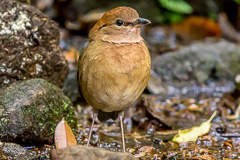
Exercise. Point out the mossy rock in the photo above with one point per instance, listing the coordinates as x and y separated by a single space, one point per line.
30 111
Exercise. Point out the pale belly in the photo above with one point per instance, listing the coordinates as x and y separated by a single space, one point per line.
114 94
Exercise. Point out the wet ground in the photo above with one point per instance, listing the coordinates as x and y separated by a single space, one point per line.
148 138
152 140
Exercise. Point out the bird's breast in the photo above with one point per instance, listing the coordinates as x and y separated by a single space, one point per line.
114 75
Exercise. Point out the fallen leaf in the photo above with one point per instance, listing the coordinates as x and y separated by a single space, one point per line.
64 136
196 28
228 144
236 115
193 133
147 149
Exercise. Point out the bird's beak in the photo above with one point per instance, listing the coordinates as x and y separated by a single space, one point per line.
141 21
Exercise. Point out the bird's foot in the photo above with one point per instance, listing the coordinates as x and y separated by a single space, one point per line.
122 131
90 133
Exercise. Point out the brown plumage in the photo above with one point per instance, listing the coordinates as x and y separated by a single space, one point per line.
114 67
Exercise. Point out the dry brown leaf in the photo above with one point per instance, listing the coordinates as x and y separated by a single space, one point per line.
195 28
64 136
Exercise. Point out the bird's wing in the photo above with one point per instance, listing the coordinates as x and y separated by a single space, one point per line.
79 59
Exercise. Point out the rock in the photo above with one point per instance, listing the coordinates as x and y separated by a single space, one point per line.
82 152
29 45
205 67
16 152
30 111
13 151
70 86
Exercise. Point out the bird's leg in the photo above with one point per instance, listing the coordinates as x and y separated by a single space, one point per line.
90 133
122 131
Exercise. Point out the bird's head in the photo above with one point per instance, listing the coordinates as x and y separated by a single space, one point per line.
119 25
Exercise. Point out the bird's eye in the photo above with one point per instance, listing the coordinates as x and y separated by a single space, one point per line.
119 22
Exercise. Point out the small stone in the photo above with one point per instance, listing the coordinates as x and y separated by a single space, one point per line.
13 151
83 153
221 130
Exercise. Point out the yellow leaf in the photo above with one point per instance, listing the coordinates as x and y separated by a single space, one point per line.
63 135
236 115
193 133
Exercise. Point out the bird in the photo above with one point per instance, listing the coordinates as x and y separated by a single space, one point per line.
114 65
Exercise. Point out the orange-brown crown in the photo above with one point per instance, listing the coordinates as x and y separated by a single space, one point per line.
126 14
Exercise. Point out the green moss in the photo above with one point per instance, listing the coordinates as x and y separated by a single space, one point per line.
38 105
